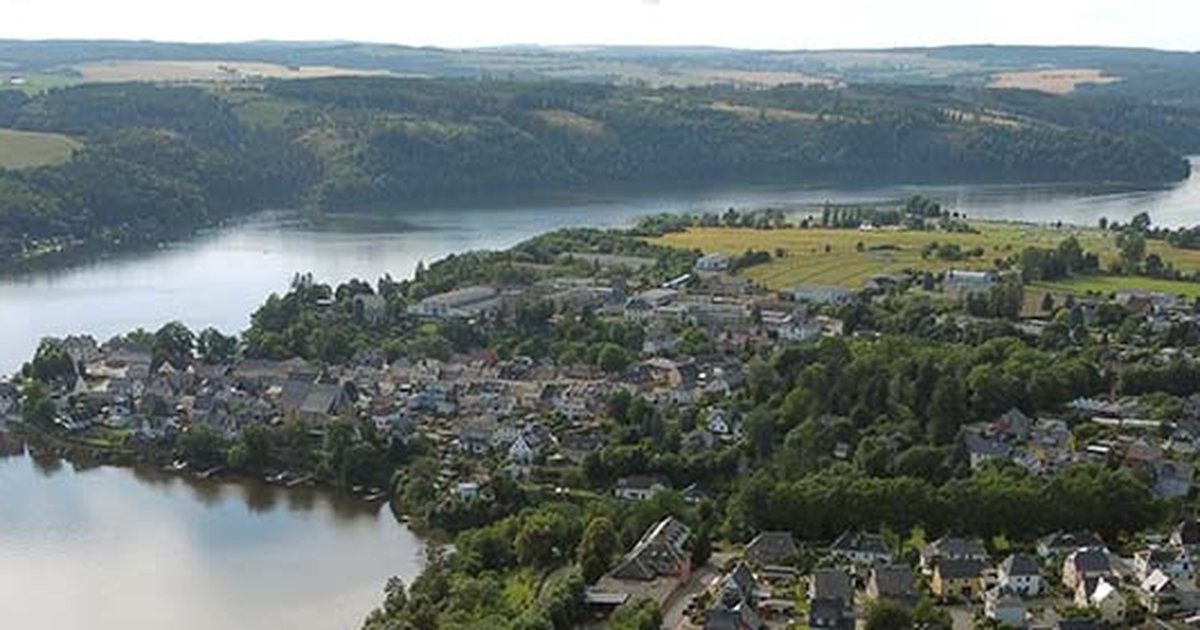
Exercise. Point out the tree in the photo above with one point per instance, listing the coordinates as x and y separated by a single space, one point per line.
885 614
51 363
701 546
597 548
947 409
1103 223
202 445
36 407
1048 302
1132 246
642 614
612 358
173 343
1140 223
214 347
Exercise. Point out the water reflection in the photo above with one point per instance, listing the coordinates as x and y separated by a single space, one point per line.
110 548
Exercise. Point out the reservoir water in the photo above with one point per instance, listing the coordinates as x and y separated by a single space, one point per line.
218 278
112 548
118 549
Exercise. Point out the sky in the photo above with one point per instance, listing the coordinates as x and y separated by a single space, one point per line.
775 24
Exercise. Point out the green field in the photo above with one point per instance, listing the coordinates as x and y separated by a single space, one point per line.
805 260
25 149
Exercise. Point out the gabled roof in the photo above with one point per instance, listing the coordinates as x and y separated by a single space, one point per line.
950 547
1090 561
958 569
894 581
1020 564
1158 582
1061 541
832 584
771 547
860 542
659 552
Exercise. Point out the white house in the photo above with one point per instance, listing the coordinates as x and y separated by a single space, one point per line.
960 281
1172 561
820 294
467 490
465 302
716 261
1102 594
1019 574
640 487
1004 607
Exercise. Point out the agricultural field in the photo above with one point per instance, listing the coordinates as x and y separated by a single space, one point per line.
216 70
26 149
1063 81
806 261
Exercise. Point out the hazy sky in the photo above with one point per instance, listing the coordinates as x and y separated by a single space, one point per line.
741 23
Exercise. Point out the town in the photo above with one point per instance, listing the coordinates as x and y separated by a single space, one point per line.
708 416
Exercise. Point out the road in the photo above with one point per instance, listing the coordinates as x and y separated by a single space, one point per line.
673 615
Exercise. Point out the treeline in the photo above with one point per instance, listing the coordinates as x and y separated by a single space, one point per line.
425 138
160 160
157 162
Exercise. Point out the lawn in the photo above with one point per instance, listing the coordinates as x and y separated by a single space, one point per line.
25 149
806 260
1105 285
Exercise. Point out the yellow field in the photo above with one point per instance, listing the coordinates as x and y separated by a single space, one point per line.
806 261
1063 81
215 70
25 149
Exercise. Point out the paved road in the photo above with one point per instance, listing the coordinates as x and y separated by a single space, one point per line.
673 617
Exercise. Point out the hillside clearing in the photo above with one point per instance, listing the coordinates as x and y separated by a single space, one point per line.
27 149
805 260
1062 81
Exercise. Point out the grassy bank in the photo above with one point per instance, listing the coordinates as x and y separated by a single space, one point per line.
851 257
25 149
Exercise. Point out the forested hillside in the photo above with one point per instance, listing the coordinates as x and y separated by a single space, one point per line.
160 160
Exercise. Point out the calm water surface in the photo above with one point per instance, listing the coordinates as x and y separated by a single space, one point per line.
217 279
112 549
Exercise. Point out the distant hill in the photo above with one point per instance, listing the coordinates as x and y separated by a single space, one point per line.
1161 77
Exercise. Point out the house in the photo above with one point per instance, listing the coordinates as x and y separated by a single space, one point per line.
831 597
957 578
314 402
660 552
467 490
1004 607
1019 574
820 294
1102 594
370 308
10 402
529 442
714 262
861 548
1060 544
737 601
959 281
770 548
950 548
829 613
892 582
640 487
1172 480
1083 564
1186 534
981 449
1175 562
720 421
465 302
1013 425
1165 596
476 437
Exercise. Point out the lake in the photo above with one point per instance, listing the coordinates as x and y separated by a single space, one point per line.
219 277
114 549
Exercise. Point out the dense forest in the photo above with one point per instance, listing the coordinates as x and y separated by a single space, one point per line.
161 160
